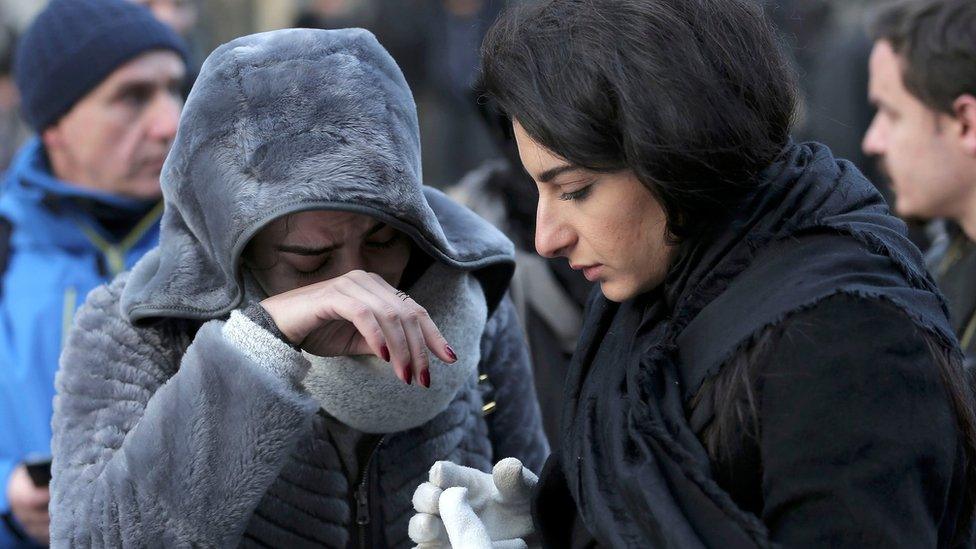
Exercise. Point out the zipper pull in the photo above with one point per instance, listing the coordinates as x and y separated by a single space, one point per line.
362 505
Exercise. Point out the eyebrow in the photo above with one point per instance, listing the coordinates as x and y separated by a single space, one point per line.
375 229
551 173
149 84
135 86
309 251
305 250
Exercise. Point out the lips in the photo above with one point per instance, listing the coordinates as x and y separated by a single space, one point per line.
591 272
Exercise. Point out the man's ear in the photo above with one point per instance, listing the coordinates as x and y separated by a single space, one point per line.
964 108
52 138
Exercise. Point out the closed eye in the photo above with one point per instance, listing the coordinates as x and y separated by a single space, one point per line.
579 194
314 273
384 244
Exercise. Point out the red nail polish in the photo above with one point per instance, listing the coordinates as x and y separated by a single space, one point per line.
425 378
451 353
408 374
385 352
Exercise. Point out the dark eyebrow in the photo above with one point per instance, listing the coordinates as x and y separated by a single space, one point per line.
375 229
135 86
551 173
305 250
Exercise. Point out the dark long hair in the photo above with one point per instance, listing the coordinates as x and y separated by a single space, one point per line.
694 96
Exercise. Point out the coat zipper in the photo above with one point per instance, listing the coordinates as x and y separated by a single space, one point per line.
362 496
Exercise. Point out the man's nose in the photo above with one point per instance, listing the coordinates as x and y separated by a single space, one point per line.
873 143
164 116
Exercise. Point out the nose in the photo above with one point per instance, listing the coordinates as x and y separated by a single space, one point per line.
873 143
164 116
553 237
348 259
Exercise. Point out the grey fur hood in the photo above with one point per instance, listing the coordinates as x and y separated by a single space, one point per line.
288 121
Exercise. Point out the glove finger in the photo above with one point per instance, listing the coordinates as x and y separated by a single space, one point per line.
446 474
464 528
424 528
513 481
425 498
517 543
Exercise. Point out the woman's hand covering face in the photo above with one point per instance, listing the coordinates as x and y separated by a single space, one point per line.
331 278
360 313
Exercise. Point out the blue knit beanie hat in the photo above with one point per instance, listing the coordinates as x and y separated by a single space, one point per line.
73 45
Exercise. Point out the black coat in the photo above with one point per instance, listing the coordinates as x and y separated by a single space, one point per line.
814 293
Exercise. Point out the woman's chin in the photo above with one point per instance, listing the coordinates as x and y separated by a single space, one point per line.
620 289
615 291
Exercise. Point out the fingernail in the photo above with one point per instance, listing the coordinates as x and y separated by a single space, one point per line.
385 352
451 353
425 378
408 374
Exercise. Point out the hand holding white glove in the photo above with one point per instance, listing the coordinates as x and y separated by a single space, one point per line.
464 507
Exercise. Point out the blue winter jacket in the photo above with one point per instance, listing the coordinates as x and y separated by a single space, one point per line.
57 254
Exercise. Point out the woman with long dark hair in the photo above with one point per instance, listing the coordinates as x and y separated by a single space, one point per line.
767 361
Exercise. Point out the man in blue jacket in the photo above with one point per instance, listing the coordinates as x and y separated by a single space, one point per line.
100 82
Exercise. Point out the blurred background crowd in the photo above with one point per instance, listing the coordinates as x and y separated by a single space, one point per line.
436 44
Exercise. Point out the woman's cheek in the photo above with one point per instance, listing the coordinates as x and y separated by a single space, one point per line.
390 265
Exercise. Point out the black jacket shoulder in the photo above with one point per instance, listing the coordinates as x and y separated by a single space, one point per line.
855 439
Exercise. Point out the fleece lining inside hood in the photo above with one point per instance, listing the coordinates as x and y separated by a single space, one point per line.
288 121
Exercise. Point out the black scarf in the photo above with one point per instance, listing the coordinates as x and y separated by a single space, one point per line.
815 227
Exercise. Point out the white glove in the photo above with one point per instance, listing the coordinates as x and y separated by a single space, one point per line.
464 507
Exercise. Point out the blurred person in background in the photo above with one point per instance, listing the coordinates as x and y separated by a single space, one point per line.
13 131
548 294
435 42
180 15
923 83
829 48
336 14
456 139
99 82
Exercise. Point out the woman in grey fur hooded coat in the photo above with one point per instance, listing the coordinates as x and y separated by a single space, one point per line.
314 331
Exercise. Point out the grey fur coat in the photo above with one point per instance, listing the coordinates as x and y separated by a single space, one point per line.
168 431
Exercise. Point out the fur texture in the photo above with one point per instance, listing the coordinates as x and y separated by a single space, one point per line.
263 348
286 121
157 440
173 433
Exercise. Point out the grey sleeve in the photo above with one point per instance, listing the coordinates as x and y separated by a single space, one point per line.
157 447
515 424
261 317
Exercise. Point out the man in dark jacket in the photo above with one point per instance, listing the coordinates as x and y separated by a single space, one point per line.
923 82
99 81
